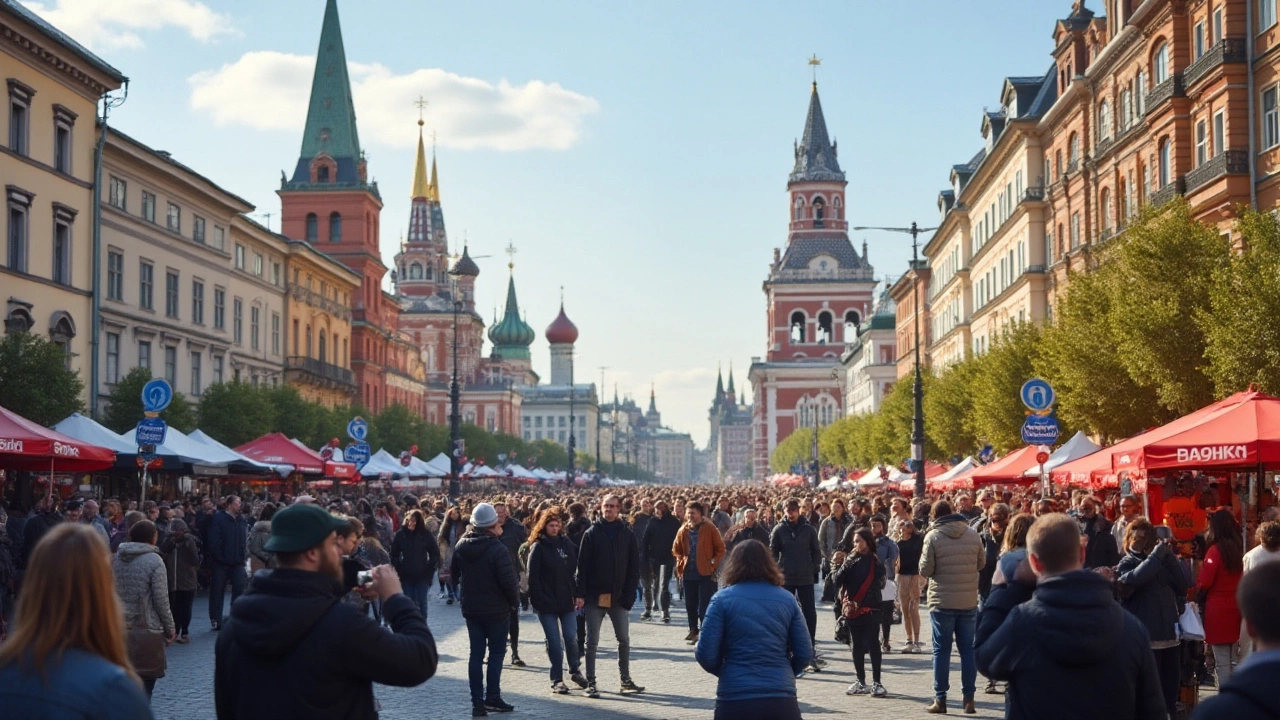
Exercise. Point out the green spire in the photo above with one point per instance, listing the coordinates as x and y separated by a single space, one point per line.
512 337
331 115
731 392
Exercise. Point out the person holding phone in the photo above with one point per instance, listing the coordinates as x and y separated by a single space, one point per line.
607 576
1153 588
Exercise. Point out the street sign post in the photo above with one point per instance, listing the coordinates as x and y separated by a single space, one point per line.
357 453
1040 429
358 429
1037 395
151 431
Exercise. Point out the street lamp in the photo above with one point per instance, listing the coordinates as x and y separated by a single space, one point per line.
464 267
917 390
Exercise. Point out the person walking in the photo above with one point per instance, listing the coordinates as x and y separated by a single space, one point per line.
65 654
794 543
655 551
607 575
514 534
860 578
887 551
483 567
754 639
831 532
1251 694
143 588
639 523
291 649
1101 549
227 549
415 556
452 528
698 550
910 547
1056 633
951 560
750 529
1219 577
259 534
552 562
181 553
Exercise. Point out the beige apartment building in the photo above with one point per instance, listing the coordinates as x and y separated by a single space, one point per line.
908 295
48 143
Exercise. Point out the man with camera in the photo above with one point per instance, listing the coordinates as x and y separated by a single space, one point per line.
290 649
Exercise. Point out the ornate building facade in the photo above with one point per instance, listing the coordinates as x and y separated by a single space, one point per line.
818 292
729 444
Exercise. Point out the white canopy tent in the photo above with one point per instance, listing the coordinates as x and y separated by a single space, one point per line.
960 468
1077 447
875 477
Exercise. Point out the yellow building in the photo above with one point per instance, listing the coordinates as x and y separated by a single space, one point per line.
48 142
318 300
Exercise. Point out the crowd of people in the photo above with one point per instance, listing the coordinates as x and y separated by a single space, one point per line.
1070 605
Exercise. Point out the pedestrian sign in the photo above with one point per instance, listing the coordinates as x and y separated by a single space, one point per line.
156 396
1037 395
358 429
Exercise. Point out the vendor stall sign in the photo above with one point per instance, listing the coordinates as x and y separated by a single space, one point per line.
1212 453
1184 517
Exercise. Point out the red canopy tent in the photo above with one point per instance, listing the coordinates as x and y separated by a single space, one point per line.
25 445
1009 469
1239 438
277 449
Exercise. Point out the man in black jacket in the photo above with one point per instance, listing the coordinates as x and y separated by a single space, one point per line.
228 549
607 577
655 551
490 594
1101 550
291 649
639 523
794 543
1251 694
1056 633
513 535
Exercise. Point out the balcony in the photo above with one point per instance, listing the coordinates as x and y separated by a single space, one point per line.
1168 192
1033 194
320 302
806 275
1228 50
1171 88
1072 166
318 372
1231 162
1103 146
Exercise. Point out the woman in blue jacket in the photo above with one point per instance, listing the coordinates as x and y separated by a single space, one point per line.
754 639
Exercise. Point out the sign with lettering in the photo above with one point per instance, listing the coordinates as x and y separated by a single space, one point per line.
151 431
1184 517
1040 429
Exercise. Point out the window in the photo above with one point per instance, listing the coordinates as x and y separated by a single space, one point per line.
171 293
173 220
219 308
1270 119
19 116
255 314
18 254
237 321
1105 209
63 121
1202 143
257 264
1126 110
144 354
1219 132
1140 93
195 373
146 284
1075 150
1075 230
335 228
217 369
313 228
1197 40
113 358
62 218
197 302
275 273
1266 14
148 206
171 365
1217 25
1166 162
197 229
219 238
798 325
275 334
1160 64
1104 121
115 275
118 193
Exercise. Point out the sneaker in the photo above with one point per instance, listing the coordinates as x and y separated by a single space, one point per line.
497 705
215 625
801 674
819 661
857 688
449 601
813 668
646 615
666 616
516 661
479 711
629 686
559 688
592 692
991 688
578 679
877 690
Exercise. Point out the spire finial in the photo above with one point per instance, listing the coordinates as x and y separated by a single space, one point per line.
421 186
511 255
814 62
561 297
421 103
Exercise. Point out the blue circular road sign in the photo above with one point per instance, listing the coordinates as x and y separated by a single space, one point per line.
358 429
156 395
1037 395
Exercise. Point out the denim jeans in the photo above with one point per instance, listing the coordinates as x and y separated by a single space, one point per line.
557 627
657 588
486 633
621 630
218 587
960 625
418 593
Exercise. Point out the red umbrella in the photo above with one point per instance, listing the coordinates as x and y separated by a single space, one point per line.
1011 468
25 445
1237 438
277 449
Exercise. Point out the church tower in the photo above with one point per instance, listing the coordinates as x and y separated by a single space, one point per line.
330 202
422 265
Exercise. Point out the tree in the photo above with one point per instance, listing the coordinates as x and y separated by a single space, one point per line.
795 449
124 405
396 429
948 408
998 413
298 417
1241 327
236 412
35 381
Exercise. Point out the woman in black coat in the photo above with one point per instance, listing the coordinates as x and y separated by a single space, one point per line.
552 559
1153 588
850 578
415 556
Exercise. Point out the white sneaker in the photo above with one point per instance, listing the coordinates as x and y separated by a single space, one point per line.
857 688
877 690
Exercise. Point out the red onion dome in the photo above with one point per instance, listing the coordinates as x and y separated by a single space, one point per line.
562 331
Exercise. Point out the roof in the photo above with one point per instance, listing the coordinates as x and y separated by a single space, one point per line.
562 331
331 113
63 39
466 266
804 248
512 337
816 154
167 158
885 317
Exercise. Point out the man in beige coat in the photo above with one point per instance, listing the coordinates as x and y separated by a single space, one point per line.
953 555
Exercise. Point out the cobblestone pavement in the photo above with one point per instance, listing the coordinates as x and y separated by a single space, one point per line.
675 686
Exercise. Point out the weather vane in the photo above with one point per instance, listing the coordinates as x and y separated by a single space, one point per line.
421 103
814 62
511 255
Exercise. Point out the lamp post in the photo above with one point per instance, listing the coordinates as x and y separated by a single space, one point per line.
599 458
464 267
917 389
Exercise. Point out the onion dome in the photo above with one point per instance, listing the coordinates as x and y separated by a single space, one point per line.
512 337
466 266
562 331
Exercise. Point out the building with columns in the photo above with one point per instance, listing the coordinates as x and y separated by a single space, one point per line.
817 294
870 362
562 407
908 295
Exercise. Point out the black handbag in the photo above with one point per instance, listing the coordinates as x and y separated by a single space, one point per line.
145 646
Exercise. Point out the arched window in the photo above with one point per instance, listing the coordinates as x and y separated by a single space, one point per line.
1075 148
1166 162
818 207
1104 121
826 329
1126 109
851 323
430 273
322 174
799 208
798 325
335 227
313 227
1104 205
415 271
324 357
1125 211
1160 64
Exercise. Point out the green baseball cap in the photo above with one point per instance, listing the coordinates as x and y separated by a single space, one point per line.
299 528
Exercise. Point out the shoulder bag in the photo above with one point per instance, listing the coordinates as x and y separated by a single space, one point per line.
145 646
852 608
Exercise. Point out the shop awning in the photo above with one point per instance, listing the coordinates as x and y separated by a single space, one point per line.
277 450
236 462
25 445
1009 469
1077 447
1236 438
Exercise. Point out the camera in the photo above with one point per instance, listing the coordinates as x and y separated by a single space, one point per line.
1163 532
364 577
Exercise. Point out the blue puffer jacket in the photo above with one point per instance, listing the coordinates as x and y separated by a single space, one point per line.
80 686
755 640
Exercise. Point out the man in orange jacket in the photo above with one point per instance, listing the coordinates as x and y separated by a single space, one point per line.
700 541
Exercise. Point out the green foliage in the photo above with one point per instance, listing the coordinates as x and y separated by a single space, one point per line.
796 448
395 429
35 381
124 405
1242 322
997 377
948 408
237 412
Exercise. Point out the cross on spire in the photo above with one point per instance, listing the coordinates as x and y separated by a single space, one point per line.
421 103
814 62
511 255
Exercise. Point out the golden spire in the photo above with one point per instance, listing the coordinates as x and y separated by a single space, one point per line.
421 188
435 184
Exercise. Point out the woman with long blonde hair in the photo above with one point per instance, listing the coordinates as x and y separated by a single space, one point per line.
66 654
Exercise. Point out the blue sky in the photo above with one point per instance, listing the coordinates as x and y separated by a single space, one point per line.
636 153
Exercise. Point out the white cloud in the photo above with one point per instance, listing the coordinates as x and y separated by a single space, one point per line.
270 90
114 24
